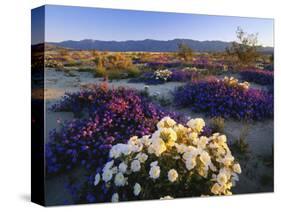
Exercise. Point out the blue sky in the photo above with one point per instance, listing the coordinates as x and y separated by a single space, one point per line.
77 23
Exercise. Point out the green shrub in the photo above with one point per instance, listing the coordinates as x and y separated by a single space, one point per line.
241 145
92 70
217 124
99 72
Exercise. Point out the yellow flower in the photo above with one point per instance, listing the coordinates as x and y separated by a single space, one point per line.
181 148
172 175
228 160
169 136
237 168
205 158
216 189
228 193
222 178
222 140
166 122
190 151
193 137
202 142
196 124
158 147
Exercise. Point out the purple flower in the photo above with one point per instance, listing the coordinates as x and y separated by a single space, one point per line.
262 77
215 98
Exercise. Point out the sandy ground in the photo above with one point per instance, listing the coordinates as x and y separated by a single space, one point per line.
256 176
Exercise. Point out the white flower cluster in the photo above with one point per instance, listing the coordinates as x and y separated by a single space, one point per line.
162 74
150 157
231 81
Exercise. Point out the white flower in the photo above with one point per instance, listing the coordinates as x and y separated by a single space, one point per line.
114 152
122 167
133 140
146 140
166 122
118 149
115 197
166 198
158 147
181 148
154 172
154 163
172 175
124 149
114 170
205 158
135 165
137 189
196 124
107 175
119 179
135 144
190 163
108 165
202 142
97 179
208 157
237 168
142 157
190 151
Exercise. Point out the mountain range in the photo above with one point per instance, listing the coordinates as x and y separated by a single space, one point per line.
149 45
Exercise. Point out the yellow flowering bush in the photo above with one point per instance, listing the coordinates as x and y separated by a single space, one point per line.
175 161
231 81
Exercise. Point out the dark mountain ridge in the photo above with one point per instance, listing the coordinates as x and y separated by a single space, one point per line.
148 45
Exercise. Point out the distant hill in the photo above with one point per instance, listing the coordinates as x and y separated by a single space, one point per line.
148 45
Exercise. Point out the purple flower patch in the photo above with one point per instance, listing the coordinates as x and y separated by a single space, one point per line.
215 98
261 77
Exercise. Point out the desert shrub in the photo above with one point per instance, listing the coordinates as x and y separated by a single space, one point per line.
99 72
226 98
122 74
240 145
185 53
115 66
174 161
91 70
217 124
258 76
244 52
72 63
